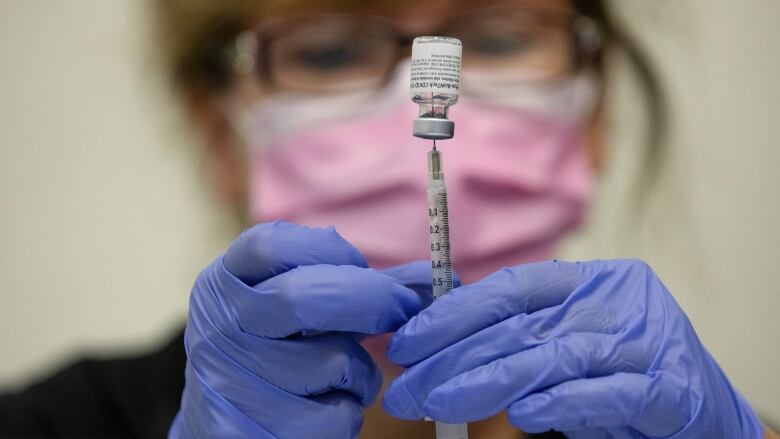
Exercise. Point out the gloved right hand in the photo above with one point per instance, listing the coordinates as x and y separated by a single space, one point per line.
271 335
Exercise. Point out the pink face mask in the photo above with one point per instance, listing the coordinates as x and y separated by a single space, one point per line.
518 179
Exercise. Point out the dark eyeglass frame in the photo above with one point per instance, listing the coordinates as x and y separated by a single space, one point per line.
249 51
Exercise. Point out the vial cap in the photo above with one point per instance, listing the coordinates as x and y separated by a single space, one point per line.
433 129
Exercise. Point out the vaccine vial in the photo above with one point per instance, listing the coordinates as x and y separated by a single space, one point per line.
435 84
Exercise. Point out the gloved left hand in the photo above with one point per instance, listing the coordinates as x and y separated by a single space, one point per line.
272 335
595 349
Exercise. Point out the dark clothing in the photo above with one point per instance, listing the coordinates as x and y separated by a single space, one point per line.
134 397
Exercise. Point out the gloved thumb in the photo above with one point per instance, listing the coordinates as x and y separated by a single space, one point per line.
417 275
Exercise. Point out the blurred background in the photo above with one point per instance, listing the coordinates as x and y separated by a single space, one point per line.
106 216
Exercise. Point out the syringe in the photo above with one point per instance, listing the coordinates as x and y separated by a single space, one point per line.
441 257
435 83
438 225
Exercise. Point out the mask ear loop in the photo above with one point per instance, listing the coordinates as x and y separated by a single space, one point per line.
230 106
243 62
227 107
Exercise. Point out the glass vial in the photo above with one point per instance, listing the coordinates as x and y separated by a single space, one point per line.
435 84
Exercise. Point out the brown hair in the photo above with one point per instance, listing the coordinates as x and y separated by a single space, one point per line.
615 38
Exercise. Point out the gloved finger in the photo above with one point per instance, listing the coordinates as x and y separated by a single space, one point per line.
603 433
269 249
340 362
204 413
489 389
221 396
417 276
341 408
322 298
471 308
405 396
654 405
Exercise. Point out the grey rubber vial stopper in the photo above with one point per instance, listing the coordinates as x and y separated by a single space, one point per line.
433 129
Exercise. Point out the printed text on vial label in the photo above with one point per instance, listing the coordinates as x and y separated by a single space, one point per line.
436 71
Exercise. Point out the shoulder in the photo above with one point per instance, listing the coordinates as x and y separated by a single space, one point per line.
130 396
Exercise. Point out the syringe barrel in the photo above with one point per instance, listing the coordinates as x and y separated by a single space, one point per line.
439 227
451 431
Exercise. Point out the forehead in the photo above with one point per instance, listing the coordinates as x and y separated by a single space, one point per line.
412 13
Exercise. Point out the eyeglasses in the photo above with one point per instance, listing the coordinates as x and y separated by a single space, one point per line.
331 53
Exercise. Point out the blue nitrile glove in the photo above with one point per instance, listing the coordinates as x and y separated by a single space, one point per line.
272 335
595 349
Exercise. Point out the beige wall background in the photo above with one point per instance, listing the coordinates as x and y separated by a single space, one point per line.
105 217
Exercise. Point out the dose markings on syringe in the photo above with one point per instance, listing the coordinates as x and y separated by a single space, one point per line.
439 231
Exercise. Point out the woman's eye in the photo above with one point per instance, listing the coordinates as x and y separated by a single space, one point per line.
328 58
501 46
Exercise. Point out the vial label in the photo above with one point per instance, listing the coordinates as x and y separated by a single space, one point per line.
435 67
